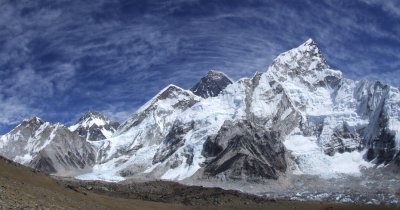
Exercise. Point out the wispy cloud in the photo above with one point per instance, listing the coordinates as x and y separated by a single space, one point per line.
13 110
390 6
61 58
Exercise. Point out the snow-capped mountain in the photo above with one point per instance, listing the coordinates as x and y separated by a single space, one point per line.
135 143
298 117
94 126
211 84
47 147
299 112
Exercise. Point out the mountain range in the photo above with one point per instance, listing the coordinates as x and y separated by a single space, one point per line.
300 117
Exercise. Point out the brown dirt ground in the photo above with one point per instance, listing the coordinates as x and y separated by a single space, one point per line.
24 188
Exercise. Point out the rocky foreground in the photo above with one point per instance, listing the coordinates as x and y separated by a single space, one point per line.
25 188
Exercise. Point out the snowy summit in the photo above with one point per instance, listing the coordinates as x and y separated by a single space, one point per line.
93 126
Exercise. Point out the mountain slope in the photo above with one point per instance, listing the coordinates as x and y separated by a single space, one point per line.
136 141
50 148
24 188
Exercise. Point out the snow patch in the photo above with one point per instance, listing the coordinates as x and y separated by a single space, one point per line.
23 159
312 160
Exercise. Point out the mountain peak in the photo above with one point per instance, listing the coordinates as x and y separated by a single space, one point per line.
304 61
309 41
216 75
34 120
171 100
310 49
171 87
94 126
91 115
169 92
211 84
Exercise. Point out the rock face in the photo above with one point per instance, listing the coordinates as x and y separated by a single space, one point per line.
93 126
50 148
299 108
380 103
244 151
211 85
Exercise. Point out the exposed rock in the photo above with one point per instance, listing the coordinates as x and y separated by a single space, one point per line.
211 84
248 152
344 139
172 142
66 154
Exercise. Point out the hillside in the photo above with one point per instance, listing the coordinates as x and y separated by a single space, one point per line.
25 188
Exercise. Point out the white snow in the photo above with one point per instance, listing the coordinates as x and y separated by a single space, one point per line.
312 160
25 159
108 176
106 133
349 162
3 141
109 170
93 120
300 144
89 122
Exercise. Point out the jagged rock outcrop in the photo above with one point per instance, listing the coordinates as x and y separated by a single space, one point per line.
244 151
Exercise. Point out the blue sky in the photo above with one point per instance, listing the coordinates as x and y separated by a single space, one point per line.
59 58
